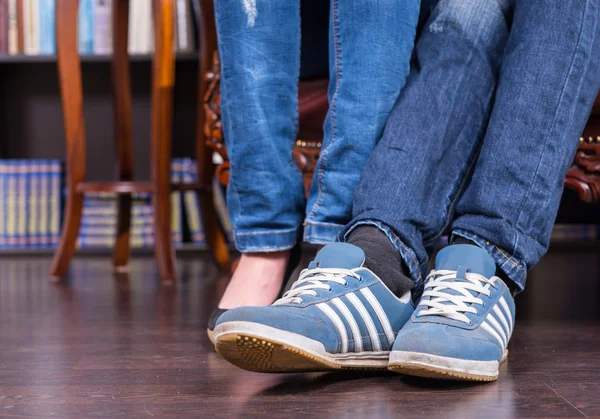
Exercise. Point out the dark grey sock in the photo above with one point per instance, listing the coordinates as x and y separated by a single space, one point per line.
382 258
499 272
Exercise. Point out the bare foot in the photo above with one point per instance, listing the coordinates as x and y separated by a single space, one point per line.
256 280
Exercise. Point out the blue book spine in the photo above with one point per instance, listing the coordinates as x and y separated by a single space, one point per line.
47 27
86 27
3 203
55 210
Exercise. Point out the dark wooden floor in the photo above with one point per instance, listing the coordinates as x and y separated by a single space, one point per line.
126 346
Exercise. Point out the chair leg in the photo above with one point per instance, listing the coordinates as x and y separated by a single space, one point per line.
121 250
72 101
70 232
163 78
215 238
122 116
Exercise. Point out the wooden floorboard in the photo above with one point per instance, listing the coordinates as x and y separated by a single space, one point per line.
100 345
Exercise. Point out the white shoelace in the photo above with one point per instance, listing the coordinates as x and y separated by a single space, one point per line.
315 279
443 303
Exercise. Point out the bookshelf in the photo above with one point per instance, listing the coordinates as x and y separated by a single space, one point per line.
31 119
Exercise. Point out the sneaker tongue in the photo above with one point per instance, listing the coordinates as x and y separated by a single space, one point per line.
471 257
339 255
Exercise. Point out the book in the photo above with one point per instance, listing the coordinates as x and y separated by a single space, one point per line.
3 203
47 27
13 28
220 202
86 27
133 27
33 196
3 26
11 204
102 27
22 172
191 203
43 207
185 35
31 18
20 27
56 180
145 36
176 219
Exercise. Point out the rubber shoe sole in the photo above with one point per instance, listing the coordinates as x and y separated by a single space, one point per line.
259 348
445 368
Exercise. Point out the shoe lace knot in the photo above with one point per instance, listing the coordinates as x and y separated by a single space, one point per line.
446 296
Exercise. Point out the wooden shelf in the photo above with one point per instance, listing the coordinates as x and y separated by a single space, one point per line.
135 187
24 59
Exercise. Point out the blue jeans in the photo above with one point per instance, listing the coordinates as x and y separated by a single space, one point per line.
483 133
370 43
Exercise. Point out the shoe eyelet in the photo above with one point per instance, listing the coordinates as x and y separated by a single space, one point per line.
346 284
329 289
360 279
470 323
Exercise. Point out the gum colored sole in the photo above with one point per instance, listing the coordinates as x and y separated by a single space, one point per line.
211 335
430 371
263 355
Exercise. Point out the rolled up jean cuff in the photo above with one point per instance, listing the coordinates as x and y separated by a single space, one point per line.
513 267
321 233
266 241
416 270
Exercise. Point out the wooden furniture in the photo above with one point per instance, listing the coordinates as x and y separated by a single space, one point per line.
584 175
163 77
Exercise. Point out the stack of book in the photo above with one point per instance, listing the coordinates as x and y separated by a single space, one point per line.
28 27
99 221
579 232
191 203
30 204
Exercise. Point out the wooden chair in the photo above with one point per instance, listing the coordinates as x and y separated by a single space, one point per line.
163 78
583 177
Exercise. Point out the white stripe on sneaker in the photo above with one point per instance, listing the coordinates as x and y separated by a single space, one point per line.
356 335
366 317
498 328
383 318
502 318
503 304
339 325
491 331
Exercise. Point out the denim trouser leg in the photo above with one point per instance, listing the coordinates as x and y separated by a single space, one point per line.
259 44
259 48
414 177
370 47
549 80
421 170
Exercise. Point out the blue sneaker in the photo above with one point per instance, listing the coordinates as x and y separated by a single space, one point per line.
337 315
462 325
